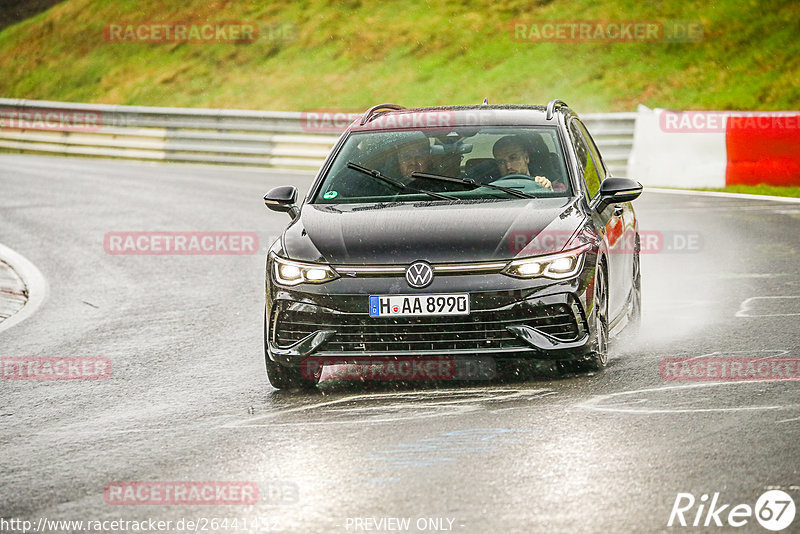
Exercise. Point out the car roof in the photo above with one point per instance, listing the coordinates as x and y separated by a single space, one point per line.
450 116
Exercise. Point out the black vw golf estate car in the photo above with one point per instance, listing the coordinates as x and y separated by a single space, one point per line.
453 231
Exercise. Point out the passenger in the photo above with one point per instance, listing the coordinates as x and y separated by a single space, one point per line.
413 156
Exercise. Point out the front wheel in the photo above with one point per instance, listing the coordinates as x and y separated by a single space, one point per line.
598 359
635 313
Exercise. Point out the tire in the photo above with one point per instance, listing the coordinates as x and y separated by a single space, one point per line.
635 315
598 359
288 377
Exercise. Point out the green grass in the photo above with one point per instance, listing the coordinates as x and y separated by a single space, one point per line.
760 189
351 54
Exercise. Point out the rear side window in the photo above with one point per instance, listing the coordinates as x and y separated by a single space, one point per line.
601 171
591 175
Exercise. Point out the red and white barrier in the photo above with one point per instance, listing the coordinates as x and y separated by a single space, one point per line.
715 148
763 149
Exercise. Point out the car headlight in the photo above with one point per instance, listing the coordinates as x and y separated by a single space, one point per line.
556 266
291 273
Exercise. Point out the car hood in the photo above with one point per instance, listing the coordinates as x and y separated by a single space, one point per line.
437 232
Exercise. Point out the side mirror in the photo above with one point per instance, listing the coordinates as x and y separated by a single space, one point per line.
617 190
283 199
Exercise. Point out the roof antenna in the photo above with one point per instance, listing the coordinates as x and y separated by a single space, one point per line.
485 102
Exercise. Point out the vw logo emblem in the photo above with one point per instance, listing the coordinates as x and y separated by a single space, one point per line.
419 274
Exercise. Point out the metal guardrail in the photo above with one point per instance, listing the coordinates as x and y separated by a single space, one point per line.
261 138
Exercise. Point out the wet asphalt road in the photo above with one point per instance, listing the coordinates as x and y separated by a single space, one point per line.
188 400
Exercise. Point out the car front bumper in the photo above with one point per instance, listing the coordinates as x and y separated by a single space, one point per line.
509 318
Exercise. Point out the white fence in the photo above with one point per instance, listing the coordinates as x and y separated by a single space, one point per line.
261 138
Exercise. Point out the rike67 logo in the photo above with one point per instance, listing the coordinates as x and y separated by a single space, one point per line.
774 510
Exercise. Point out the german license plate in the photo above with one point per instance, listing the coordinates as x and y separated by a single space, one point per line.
407 305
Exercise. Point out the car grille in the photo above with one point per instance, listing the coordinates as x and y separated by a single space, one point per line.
478 331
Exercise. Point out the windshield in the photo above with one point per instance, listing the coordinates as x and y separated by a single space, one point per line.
414 165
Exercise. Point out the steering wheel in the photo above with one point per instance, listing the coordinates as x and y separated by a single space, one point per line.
521 176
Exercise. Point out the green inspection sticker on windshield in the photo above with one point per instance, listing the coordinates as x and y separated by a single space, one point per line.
329 195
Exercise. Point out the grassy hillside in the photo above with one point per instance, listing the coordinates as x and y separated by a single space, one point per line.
349 54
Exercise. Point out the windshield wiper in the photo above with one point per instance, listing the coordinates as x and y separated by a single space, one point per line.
396 183
471 184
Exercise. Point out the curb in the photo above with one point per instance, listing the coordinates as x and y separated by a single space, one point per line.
32 280
13 293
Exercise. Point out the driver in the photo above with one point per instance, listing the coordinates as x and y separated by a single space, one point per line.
512 158
413 155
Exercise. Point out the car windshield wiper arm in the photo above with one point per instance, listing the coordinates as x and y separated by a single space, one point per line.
396 183
472 184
